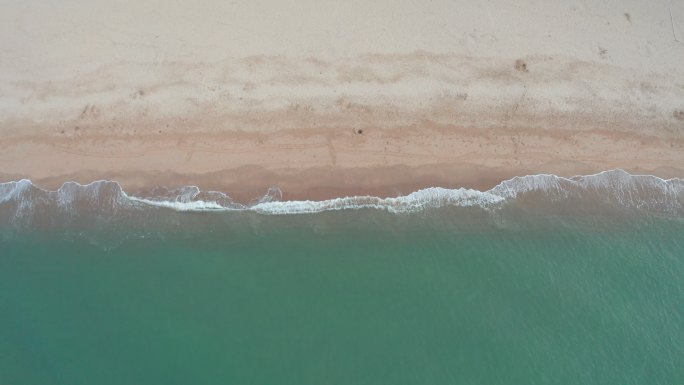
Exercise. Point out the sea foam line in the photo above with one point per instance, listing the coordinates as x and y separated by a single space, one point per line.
637 191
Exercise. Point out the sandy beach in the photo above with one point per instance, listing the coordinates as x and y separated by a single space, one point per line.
324 99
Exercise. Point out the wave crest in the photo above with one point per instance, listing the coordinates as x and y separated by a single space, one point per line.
23 202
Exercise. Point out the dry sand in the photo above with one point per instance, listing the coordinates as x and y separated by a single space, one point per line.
325 99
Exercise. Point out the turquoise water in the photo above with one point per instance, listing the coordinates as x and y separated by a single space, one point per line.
441 296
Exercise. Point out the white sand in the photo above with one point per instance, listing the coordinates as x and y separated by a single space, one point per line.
79 79
49 40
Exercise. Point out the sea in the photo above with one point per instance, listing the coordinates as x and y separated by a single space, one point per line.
540 280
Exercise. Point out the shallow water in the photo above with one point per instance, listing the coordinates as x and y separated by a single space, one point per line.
535 292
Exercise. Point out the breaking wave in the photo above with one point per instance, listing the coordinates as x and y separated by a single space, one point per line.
23 203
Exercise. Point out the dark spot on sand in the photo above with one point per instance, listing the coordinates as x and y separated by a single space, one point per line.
603 52
359 131
90 111
521 66
628 17
678 114
62 131
159 131
77 128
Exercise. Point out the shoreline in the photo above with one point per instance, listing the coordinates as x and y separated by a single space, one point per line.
380 125
328 162
477 180
367 124
478 163
326 99
25 201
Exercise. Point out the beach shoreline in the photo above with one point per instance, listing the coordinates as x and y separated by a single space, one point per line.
437 95
234 164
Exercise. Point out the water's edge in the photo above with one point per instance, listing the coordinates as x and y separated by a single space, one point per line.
22 198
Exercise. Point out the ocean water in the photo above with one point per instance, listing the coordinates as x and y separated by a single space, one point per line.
541 280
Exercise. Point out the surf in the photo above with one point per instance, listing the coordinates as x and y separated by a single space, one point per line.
23 199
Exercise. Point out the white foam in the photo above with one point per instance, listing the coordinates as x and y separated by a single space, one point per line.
198 206
422 199
617 186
